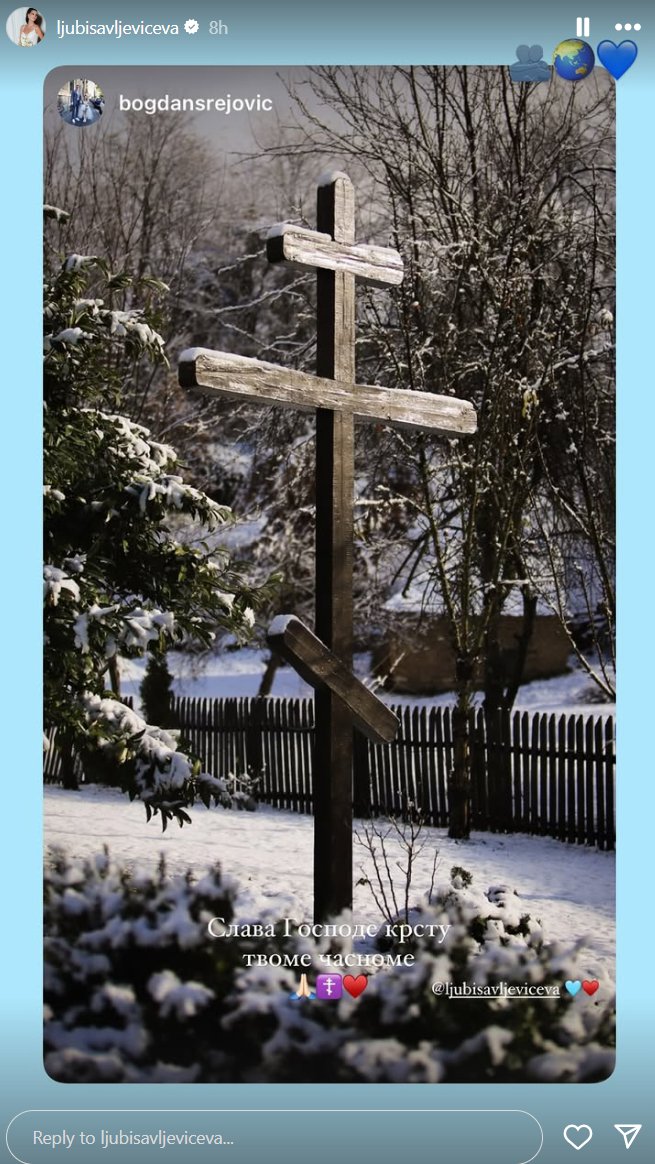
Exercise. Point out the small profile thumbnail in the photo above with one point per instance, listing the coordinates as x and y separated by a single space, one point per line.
80 102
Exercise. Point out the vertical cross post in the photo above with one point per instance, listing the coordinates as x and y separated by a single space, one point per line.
325 659
333 756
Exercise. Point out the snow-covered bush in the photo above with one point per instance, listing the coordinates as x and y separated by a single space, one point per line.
146 763
126 568
129 974
136 990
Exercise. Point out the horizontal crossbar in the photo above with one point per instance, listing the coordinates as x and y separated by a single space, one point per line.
380 266
225 374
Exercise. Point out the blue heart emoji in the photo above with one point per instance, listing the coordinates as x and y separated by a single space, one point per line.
617 58
572 987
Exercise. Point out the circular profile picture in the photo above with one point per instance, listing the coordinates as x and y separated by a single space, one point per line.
26 27
80 102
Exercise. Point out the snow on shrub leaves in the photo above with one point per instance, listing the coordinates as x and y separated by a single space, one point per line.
137 991
127 566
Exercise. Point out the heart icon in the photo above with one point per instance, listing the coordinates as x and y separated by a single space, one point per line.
591 987
572 987
617 58
355 986
577 1135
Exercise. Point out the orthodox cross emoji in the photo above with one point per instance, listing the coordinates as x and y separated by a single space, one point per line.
324 659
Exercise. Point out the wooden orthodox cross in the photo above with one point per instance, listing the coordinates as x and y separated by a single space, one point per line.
325 659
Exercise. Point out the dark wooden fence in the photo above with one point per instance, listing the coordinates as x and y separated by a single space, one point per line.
541 773
54 761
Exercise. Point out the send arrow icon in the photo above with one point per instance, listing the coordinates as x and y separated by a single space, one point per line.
629 1132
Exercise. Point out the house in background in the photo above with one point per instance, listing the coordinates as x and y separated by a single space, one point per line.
416 656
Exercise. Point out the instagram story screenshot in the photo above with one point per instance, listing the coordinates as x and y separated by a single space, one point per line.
326 442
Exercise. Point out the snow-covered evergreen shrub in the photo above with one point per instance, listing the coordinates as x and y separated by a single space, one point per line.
131 978
136 990
128 568
157 691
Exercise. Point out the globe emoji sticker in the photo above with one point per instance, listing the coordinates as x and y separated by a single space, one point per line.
573 60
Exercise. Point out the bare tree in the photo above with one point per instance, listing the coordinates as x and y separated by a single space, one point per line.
501 203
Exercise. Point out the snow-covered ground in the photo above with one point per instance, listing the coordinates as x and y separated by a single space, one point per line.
568 888
239 673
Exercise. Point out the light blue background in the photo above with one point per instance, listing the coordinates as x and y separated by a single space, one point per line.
349 32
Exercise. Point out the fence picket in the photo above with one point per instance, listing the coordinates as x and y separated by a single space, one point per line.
547 786
587 833
427 767
431 769
269 740
599 786
608 774
404 787
561 777
571 744
526 767
478 769
534 774
441 766
517 768
389 758
447 727
553 770
278 766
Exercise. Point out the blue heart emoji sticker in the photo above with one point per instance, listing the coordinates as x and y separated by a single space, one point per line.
573 987
617 58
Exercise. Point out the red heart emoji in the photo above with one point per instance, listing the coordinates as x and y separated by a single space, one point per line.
355 986
591 987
